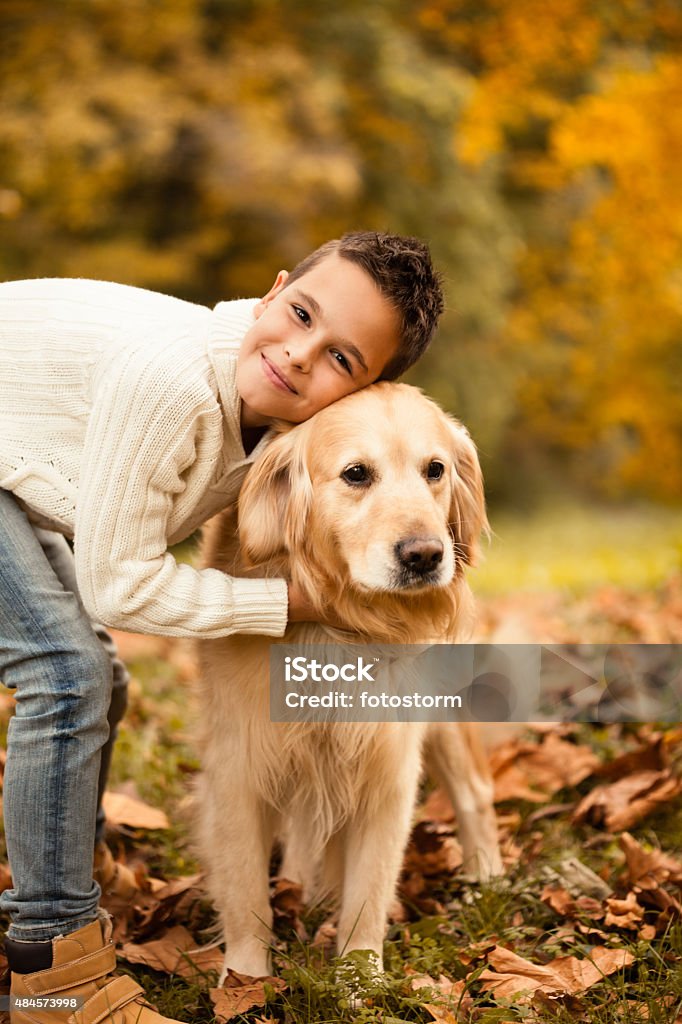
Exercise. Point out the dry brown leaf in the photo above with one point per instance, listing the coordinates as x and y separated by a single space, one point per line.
446 986
413 890
5 878
433 850
515 976
511 783
557 763
620 804
177 886
625 913
661 900
565 905
453 991
240 993
651 756
287 905
559 899
532 771
648 869
175 952
121 809
441 1013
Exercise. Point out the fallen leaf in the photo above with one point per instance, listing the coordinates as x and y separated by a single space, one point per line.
240 993
515 976
175 952
441 1013
287 906
126 810
651 756
433 850
452 991
648 869
626 913
532 771
559 899
620 804
177 886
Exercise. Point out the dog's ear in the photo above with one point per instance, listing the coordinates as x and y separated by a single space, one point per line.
467 509
275 500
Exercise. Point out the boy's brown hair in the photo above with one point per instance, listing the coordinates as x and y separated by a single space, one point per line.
401 268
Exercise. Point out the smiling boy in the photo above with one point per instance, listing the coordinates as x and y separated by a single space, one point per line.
127 419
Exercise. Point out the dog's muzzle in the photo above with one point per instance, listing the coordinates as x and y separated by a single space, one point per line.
419 559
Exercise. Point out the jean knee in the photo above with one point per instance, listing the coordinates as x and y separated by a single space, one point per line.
68 690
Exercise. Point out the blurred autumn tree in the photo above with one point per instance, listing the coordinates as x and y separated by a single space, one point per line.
195 146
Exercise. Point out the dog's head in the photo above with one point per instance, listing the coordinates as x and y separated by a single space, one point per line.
377 503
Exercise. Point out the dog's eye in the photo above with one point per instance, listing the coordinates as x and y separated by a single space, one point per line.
435 470
357 474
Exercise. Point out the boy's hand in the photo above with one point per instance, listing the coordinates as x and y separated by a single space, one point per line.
301 610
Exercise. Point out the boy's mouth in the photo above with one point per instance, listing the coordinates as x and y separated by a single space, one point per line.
275 376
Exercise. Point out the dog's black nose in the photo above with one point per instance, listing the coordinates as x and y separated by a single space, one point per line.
420 554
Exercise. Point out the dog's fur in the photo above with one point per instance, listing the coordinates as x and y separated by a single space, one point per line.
340 795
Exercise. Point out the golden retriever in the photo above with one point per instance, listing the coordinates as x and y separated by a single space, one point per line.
374 507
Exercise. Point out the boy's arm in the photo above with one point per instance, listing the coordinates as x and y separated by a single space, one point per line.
147 445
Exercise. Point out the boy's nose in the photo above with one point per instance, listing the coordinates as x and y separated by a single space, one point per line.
300 354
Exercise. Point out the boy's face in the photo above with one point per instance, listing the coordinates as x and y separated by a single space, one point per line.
328 333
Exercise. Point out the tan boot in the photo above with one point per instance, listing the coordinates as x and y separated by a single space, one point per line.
82 975
114 879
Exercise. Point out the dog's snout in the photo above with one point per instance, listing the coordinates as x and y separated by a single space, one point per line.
420 554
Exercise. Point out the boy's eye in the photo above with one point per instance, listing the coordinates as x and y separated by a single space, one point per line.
341 360
302 314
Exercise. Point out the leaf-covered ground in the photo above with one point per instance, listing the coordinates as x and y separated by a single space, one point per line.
586 925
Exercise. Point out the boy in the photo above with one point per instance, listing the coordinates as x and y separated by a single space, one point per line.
127 419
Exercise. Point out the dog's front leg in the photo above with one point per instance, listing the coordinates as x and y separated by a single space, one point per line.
455 755
237 840
375 843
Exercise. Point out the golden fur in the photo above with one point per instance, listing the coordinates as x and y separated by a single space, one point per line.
340 795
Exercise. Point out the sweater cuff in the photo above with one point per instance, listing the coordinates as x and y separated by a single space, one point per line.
260 606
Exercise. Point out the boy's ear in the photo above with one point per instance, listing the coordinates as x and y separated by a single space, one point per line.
275 500
280 281
467 507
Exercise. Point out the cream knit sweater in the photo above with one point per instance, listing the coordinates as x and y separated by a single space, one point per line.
119 426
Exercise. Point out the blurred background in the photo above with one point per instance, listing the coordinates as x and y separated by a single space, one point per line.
197 146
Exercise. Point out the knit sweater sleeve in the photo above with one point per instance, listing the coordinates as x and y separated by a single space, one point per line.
152 434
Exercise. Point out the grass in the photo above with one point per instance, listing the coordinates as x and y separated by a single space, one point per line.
506 912
570 548
576 547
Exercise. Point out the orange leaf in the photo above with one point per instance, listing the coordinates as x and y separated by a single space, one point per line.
648 869
175 952
514 976
127 810
240 993
620 804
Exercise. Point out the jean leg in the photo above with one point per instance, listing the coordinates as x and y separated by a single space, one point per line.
61 559
63 678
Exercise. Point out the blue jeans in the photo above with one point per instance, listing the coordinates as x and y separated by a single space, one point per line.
70 690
